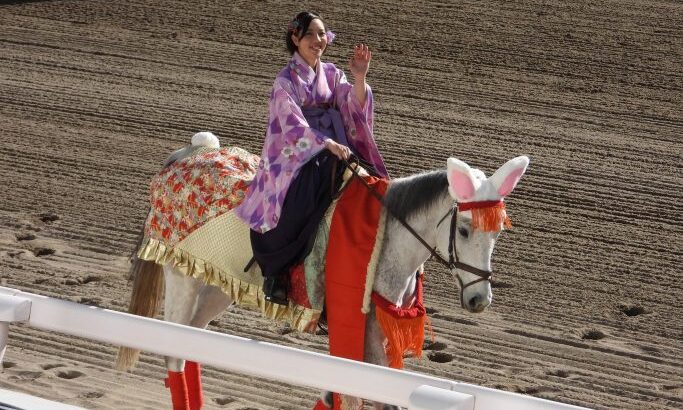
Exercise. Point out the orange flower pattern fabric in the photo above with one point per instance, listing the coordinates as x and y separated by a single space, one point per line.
192 191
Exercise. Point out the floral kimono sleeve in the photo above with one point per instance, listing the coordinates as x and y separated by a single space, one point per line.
289 144
358 121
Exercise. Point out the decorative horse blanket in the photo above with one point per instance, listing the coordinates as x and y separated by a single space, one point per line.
192 224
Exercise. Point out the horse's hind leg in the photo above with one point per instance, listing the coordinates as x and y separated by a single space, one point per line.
211 302
179 303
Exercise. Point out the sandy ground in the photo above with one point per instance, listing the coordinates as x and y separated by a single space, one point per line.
587 309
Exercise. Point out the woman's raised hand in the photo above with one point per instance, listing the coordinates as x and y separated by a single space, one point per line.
338 150
360 61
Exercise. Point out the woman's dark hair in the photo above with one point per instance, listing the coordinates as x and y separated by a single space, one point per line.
299 26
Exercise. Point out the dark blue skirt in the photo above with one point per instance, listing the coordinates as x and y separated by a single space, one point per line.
307 199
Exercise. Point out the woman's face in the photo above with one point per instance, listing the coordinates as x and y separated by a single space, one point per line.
313 43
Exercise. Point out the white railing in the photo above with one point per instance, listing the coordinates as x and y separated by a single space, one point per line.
315 370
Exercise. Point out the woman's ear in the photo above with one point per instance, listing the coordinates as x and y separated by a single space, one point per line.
295 39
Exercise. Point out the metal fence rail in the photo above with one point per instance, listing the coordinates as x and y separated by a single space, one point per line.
237 354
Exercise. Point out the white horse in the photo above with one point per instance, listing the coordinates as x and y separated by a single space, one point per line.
449 212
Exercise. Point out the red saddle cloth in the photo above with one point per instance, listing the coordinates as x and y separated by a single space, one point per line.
353 238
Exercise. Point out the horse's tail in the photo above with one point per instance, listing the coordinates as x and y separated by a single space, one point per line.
148 285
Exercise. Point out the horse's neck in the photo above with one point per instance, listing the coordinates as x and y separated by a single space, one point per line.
402 254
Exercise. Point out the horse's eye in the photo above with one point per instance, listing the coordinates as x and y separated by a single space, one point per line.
463 232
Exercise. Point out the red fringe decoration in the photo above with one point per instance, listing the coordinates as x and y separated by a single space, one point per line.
403 336
403 328
490 219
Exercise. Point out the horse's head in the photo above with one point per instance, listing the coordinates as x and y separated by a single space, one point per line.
475 224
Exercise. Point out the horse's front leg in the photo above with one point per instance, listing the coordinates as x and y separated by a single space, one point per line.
373 353
374 349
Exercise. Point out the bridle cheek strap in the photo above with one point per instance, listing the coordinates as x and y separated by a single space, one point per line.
453 262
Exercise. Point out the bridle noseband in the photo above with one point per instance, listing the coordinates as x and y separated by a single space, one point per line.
452 262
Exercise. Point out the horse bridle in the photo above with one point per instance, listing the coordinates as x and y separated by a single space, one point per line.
452 262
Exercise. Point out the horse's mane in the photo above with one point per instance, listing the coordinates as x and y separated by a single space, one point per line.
410 195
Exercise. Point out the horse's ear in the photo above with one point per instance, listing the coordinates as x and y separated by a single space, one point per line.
461 183
506 177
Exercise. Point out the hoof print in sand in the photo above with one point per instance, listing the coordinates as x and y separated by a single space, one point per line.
7 365
632 310
69 374
534 390
430 310
91 278
593 334
214 322
495 284
434 346
91 395
673 388
440 357
48 216
222 401
43 252
284 330
559 373
25 236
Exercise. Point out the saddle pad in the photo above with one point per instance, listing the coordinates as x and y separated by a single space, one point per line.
191 191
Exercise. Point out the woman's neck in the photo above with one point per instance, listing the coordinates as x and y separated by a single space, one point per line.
312 64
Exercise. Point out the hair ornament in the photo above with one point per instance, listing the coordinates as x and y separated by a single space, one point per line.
293 26
330 36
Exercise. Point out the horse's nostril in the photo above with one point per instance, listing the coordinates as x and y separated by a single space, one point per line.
474 302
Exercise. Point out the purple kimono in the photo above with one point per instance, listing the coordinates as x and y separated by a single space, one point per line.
290 142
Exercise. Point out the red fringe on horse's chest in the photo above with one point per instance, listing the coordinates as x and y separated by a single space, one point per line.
403 328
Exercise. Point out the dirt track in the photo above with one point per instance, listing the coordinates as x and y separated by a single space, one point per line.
587 310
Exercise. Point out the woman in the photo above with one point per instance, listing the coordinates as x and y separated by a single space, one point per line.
315 118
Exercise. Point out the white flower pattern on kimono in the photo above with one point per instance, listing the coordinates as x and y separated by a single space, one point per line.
287 151
303 144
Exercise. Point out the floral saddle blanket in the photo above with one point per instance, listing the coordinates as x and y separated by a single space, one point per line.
191 224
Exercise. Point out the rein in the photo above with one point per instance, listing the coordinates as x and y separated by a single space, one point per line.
452 262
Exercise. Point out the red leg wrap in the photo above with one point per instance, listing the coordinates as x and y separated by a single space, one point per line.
193 375
320 406
176 382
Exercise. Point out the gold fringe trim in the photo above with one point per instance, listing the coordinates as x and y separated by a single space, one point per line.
243 293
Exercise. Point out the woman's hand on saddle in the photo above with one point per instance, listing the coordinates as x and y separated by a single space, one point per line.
360 62
338 150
